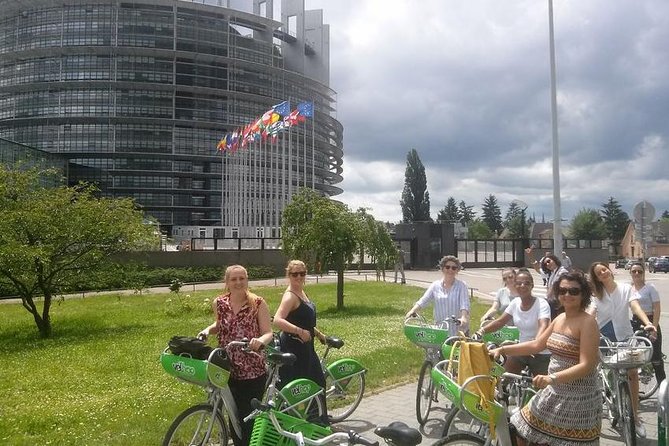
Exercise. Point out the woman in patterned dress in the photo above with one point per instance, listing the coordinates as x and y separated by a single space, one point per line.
568 409
241 314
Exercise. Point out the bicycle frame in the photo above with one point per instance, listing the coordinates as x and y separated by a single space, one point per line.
340 370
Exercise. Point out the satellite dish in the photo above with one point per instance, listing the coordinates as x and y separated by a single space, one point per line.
644 212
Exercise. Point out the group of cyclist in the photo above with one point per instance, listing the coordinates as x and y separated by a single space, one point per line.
242 314
558 339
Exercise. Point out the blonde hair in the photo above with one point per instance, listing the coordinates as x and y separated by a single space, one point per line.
251 298
294 264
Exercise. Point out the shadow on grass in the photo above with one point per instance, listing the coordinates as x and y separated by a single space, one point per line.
74 332
360 310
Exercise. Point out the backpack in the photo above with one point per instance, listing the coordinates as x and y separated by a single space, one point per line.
189 346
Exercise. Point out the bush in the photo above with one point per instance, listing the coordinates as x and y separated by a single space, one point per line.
136 276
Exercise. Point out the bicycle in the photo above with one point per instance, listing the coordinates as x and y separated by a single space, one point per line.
273 427
204 423
470 402
344 382
617 358
431 338
460 420
648 384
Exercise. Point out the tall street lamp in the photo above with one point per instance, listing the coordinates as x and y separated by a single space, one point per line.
557 213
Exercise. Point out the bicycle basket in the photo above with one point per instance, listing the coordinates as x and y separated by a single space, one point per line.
197 371
506 333
426 336
264 433
629 355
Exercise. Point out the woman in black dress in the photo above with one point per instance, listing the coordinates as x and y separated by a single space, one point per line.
296 318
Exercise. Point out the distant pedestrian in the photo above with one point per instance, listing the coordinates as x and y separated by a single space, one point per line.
399 265
566 261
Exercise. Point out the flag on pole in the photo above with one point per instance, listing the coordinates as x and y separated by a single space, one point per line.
306 109
223 143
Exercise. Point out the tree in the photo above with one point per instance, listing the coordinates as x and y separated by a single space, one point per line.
616 221
587 225
492 214
53 238
665 215
467 213
375 240
415 200
450 213
514 222
478 229
315 228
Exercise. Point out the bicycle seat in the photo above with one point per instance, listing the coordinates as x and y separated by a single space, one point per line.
399 433
281 358
334 342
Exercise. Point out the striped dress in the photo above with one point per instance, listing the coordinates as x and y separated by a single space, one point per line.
567 414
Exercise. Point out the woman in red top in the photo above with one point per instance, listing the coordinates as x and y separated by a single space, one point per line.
241 314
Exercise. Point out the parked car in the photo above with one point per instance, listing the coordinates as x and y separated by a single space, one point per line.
661 265
620 263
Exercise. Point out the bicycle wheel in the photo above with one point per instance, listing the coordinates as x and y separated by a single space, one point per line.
460 439
626 414
343 396
424 393
460 421
648 384
195 426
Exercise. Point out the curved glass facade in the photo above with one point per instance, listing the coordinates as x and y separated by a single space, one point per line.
136 94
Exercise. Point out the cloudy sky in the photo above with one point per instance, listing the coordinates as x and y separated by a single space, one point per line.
467 84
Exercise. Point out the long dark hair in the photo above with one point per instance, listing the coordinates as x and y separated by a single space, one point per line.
597 285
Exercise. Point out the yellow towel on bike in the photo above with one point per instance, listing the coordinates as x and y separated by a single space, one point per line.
475 360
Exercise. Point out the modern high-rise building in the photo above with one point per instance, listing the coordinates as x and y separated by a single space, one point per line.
135 94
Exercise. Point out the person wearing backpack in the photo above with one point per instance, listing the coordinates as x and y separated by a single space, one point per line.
241 314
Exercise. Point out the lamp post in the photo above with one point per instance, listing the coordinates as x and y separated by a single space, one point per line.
557 213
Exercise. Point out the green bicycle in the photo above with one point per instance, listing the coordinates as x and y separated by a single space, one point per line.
204 423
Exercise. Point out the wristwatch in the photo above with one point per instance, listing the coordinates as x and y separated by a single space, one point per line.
553 378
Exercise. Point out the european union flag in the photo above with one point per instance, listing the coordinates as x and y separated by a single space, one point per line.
282 109
306 109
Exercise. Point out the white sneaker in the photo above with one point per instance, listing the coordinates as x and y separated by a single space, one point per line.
640 429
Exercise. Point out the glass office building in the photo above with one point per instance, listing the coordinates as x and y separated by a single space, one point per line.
136 95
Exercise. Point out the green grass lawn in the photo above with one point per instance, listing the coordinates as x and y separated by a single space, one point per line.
98 380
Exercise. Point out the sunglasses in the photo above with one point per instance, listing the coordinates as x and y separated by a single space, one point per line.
452 267
298 273
574 291
636 271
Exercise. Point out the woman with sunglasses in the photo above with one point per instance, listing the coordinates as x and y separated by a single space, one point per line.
296 318
504 295
568 408
532 316
449 296
649 300
611 308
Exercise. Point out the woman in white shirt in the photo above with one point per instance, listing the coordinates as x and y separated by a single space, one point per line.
504 295
611 308
532 316
649 300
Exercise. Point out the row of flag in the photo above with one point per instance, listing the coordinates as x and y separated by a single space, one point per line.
275 120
